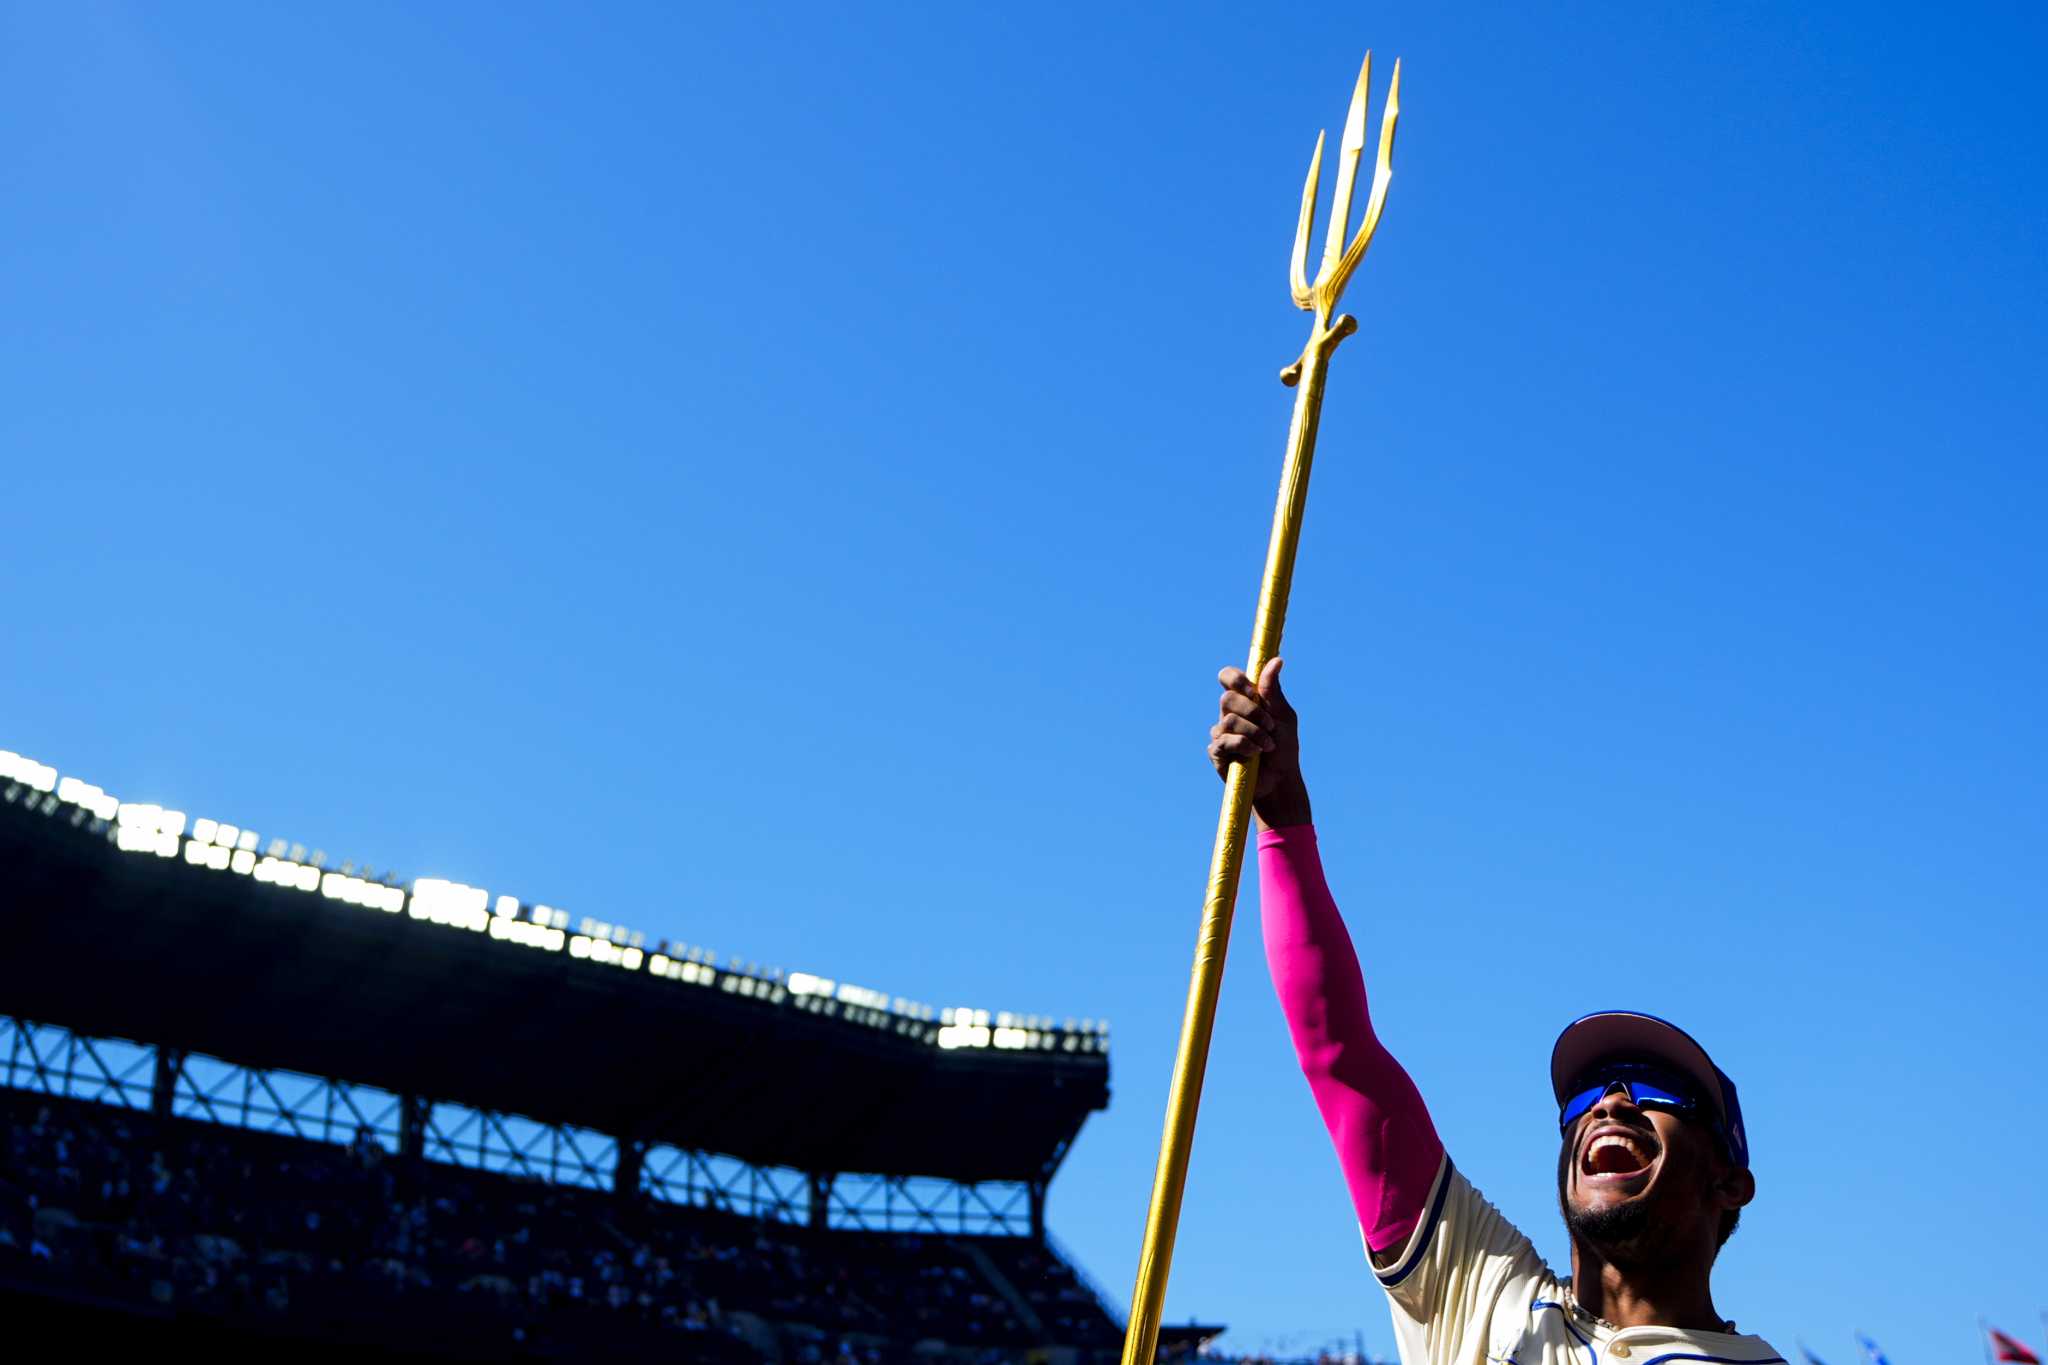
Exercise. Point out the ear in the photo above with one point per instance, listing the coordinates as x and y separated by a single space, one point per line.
1735 1188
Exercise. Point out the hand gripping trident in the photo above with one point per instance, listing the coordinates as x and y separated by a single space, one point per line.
1305 376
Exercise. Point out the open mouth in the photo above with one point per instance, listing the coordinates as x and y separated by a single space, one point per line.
1617 1153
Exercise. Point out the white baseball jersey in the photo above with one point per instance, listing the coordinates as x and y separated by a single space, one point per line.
1468 1289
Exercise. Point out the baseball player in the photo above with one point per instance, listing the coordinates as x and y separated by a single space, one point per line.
1652 1171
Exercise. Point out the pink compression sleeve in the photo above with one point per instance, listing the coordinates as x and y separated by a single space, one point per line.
1385 1142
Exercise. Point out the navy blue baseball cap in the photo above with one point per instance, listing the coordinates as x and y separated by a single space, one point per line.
1631 1034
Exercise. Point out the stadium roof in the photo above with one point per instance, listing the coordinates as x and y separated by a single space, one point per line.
120 921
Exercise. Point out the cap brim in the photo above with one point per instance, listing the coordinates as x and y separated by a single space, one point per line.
1626 1033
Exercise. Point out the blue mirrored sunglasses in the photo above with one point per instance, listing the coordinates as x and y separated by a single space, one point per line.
1648 1087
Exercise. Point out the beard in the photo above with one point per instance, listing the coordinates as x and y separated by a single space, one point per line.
1619 1232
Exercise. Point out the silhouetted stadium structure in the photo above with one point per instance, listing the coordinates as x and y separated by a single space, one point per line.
252 1101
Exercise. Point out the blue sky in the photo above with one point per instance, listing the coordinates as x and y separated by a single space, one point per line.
786 480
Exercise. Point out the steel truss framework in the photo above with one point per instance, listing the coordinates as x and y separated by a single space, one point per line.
47 1059
872 1203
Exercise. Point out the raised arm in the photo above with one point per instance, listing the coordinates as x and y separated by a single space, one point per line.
1385 1141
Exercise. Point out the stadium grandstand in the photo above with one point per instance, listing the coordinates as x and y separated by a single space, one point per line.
253 1101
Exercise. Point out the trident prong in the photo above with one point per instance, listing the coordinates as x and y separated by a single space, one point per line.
1339 261
1348 153
1304 295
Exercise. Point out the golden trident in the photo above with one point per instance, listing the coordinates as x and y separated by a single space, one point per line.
1305 376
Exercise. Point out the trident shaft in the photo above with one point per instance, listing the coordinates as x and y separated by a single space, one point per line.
1305 376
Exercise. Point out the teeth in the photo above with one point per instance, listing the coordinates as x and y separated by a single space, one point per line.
1628 1147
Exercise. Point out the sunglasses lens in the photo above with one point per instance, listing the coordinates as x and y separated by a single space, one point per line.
1579 1104
1646 1094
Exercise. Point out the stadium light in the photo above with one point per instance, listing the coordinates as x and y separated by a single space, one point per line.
861 995
86 795
205 855
143 827
439 901
356 891
281 872
603 950
527 933
147 815
692 973
20 768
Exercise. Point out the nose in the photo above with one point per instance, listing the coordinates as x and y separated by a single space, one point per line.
1616 1103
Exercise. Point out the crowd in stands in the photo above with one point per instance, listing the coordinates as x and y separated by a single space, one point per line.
1069 1310
177 1215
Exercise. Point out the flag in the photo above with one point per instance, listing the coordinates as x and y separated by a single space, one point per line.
2004 1347
1870 1349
